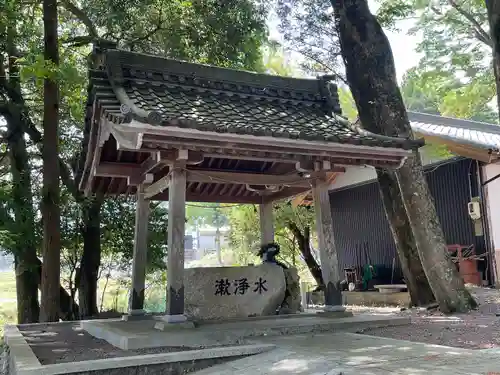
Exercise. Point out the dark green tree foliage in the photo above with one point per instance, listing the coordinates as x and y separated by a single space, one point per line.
204 31
456 48
212 32
493 7
308 29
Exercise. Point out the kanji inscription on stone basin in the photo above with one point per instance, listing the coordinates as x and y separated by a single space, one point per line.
228 292
224 287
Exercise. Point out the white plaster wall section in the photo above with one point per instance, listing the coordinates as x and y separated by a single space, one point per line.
354 175
493 201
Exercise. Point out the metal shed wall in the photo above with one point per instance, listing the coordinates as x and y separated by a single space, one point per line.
361 228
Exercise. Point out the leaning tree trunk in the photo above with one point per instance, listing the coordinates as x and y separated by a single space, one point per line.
493 7
49 309
413 271
68 309
88 273
25 257
371 75
303 240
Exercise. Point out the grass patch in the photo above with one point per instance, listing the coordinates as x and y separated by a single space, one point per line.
115 297
8 305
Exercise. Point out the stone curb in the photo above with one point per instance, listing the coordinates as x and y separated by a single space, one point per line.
24 362
20 354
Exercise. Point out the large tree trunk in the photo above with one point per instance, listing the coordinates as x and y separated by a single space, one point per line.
25 257
413 271
493 7
49 309
91 259
371 75
28 266
303 239
28 309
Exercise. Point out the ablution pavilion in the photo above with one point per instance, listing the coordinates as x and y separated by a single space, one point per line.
174 131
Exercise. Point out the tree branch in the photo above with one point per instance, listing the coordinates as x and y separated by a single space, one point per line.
18 105
481 34
80 14
157 28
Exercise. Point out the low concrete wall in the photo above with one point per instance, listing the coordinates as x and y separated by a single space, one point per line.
401 299
22 360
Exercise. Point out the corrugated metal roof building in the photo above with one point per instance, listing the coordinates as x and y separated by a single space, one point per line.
361 229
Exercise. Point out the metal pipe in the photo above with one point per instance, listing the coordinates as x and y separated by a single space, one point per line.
490 180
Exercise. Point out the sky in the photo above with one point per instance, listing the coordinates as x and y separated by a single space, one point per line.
403 45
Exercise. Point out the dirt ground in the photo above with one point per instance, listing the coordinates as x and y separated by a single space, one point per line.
67 342
479 329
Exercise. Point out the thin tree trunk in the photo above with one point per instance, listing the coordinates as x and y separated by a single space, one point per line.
493 7
68 309
49 309
91 259
413 271
25 257
371 75
303 239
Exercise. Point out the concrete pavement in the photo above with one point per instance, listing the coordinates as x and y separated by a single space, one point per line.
357 354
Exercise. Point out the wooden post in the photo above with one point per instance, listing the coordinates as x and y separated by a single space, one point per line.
266 223
139 263
327 249
175 255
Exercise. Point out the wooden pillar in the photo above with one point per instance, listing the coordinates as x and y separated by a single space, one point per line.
175 255
266 223
327 249
139 263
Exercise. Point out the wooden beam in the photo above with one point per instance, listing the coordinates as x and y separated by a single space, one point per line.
156 159
284 194
254 178
132 171
334 149
347 159
299 199
158 187
188 136
136 173
206 198
468 151
122 170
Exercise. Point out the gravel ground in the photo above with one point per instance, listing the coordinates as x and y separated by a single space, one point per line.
479 329
67 342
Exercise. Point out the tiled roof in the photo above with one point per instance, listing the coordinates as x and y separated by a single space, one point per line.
473 133
167 92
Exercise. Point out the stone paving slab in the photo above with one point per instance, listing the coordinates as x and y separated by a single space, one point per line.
355 354
141 334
